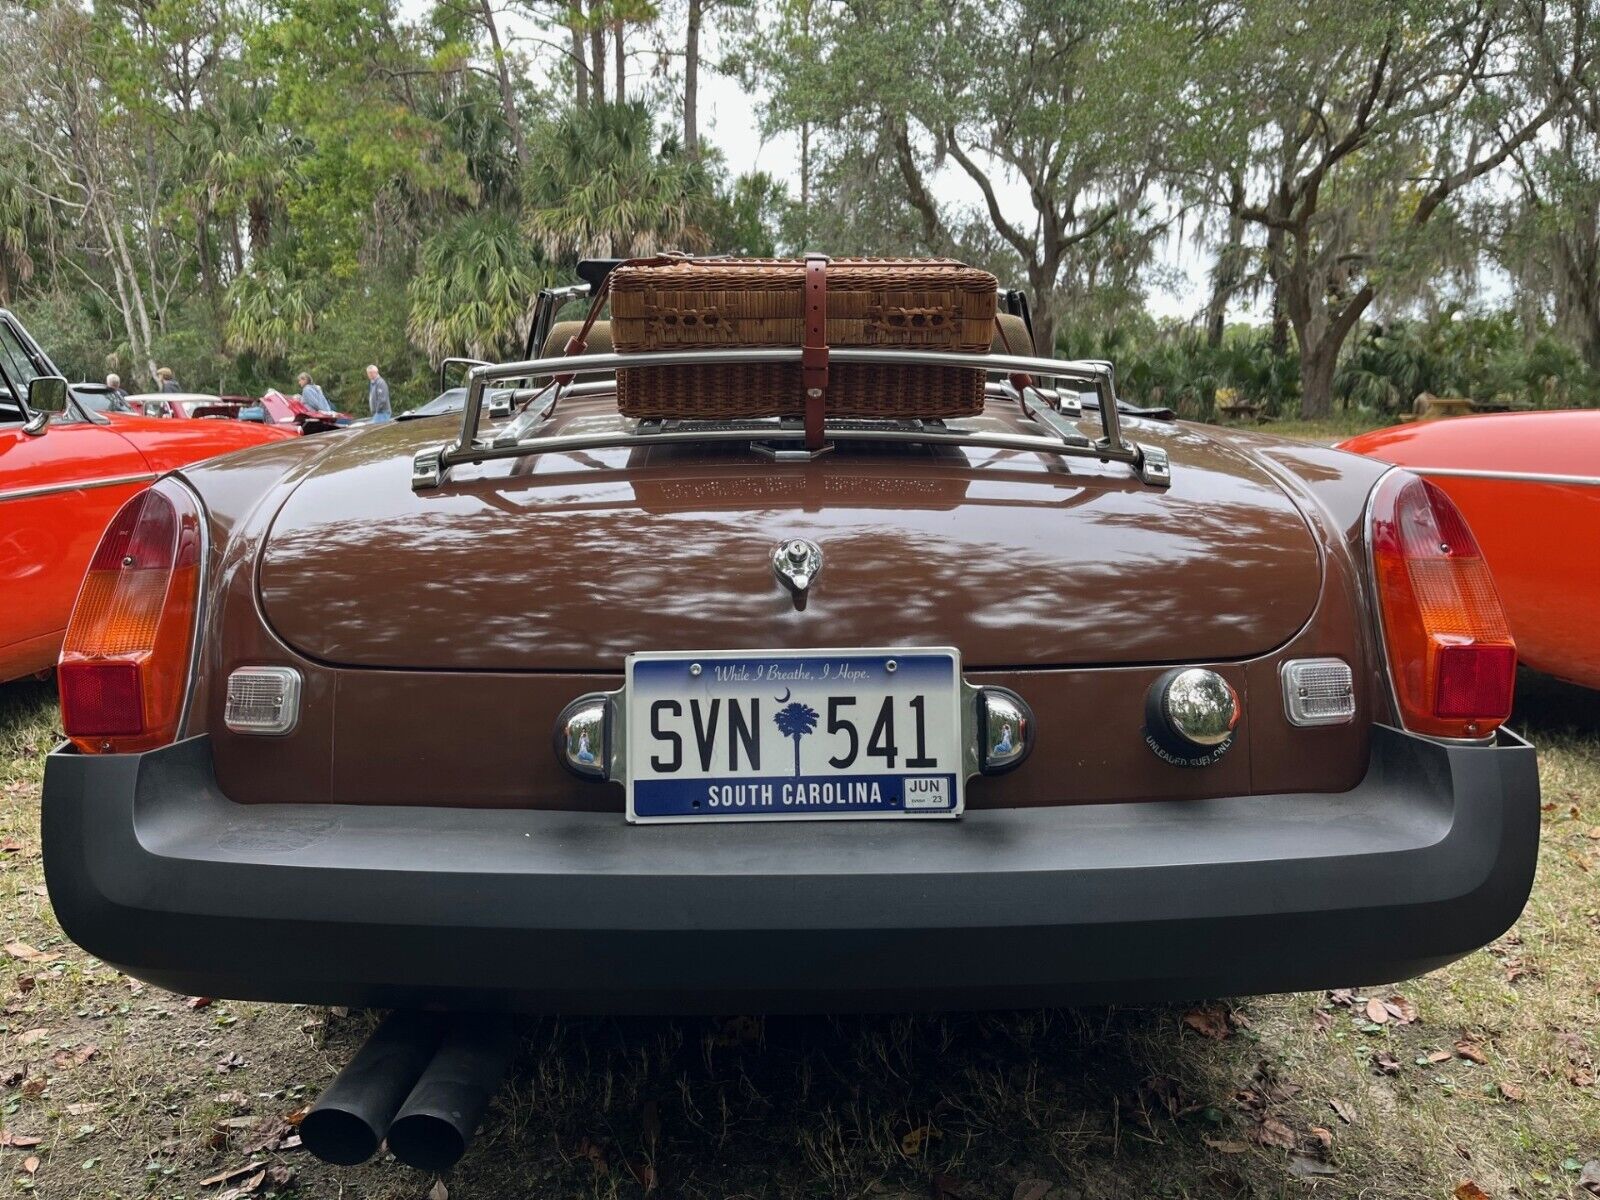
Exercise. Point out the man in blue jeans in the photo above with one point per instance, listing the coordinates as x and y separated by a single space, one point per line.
377 396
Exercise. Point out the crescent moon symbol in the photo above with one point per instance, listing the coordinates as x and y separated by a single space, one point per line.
784 699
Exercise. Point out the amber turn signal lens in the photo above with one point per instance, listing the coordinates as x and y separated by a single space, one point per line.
124 666
1451 656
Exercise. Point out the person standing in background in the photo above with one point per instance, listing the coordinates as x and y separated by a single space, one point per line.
165 381
377 396
114 386
312 396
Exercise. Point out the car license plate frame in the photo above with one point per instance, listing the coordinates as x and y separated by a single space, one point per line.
752 687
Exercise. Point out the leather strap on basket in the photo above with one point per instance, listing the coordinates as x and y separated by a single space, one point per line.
814 350
1018 380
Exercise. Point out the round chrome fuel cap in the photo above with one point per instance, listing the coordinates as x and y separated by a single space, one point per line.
1190 716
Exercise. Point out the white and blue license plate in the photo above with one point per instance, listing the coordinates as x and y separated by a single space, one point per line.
794 734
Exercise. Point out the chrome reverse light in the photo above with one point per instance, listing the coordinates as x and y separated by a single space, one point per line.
1318 691
264 700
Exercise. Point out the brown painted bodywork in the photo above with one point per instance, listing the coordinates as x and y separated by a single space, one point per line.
440 633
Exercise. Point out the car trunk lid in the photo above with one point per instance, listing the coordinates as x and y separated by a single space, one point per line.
569 562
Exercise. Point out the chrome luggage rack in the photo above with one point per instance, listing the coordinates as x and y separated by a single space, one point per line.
533 432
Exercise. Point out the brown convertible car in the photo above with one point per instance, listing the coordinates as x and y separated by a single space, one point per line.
802 642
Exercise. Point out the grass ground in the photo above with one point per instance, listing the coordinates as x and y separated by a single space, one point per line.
1335 428
1478 1076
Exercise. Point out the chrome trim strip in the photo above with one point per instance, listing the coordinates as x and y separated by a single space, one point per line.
1368 520
51 489
202 596
1510 476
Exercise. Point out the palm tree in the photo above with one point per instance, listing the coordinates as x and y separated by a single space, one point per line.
474 288
599 184
267 310
796 721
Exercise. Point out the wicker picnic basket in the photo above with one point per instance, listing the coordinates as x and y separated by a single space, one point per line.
729 303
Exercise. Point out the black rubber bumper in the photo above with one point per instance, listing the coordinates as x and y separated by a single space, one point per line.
153 870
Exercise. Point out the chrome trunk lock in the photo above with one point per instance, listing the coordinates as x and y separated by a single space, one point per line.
797 563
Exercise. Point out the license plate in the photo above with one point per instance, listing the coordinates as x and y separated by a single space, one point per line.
794 734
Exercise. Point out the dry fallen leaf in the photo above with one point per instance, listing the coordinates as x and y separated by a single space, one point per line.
1344 1111
23 952
1467 1190
596 1155
1303 1166
1037 1189
1510 1091
18 1141
1208 1022
438 1191
1467 1048
235 1173
31 1164
198 1002
1377 1011
1345 997
1516 968
644 1173
1386 1063
29 1036
1589 1178
912 1143
1273 1132
1223 1146
1321 1020
1322 1134
1401 1009
1440 1056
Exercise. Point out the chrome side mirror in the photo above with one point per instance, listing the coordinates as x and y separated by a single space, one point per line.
47 395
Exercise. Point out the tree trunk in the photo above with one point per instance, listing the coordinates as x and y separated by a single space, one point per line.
621 64
579 59
1317 363
1046 308
691 80
597 52
1321 334
508 96
1229 269
805 184
207 260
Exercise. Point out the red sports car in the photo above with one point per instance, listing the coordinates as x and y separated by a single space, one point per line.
182 405
65 469
1529 486
290 412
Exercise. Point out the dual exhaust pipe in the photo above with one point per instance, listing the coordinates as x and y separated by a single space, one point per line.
422 1082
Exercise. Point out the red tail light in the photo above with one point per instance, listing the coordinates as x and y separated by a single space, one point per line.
1450 650
124 667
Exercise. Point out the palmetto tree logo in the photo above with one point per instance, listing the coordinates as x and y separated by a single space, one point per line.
795 721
